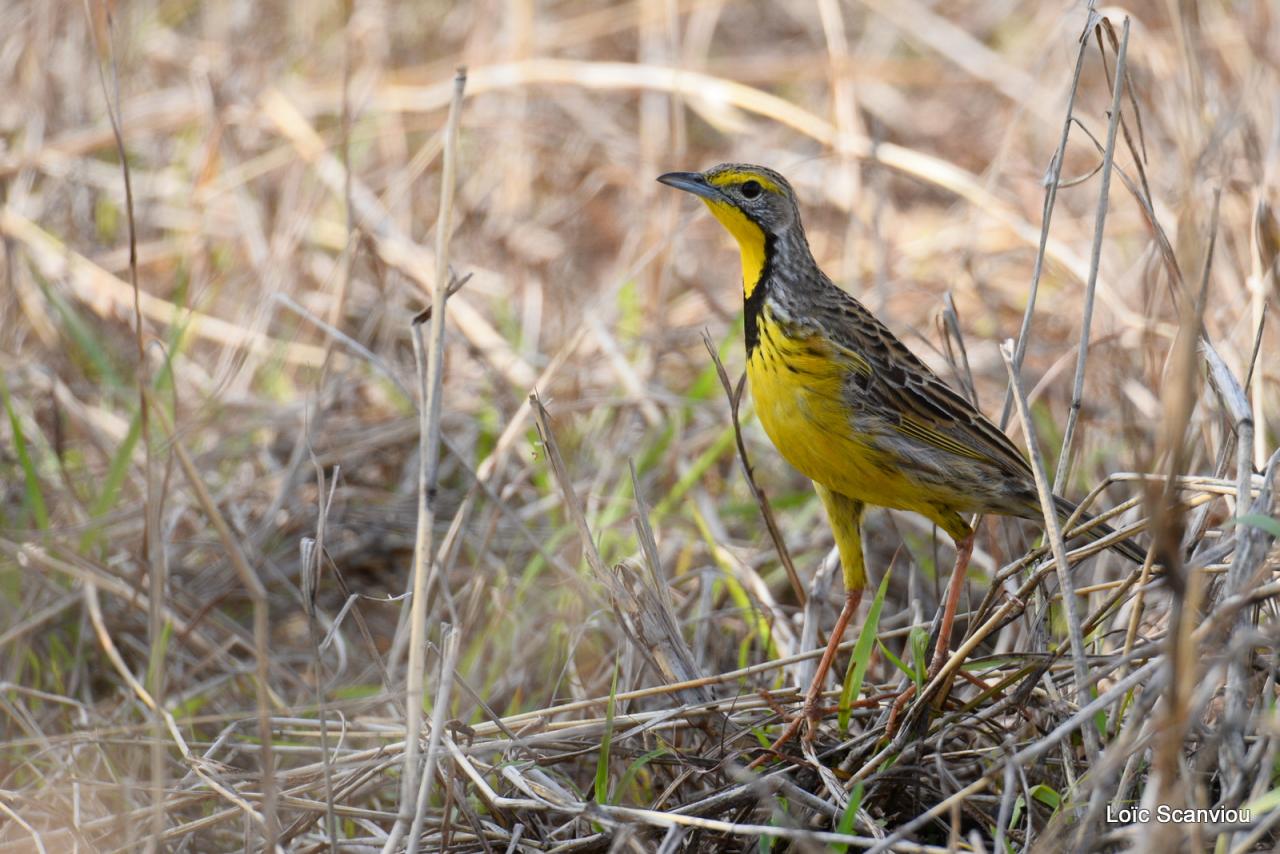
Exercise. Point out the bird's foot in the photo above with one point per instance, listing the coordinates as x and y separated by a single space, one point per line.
811 713
895 711
808 720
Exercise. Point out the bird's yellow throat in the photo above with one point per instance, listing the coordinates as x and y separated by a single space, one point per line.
751 241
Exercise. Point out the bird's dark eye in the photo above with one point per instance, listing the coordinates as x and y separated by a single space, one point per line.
750 189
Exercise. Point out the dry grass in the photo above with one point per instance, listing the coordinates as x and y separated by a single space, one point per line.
215 488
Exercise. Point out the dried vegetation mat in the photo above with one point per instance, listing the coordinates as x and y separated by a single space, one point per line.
289 563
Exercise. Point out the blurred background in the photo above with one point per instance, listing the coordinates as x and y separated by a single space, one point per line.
285 172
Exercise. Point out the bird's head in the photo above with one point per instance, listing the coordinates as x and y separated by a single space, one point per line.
750 201
758 208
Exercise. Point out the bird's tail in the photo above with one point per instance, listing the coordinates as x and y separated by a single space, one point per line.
1128 548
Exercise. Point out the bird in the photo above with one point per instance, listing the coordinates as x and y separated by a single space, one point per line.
853 409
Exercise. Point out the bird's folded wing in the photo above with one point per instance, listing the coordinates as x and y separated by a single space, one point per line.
912 399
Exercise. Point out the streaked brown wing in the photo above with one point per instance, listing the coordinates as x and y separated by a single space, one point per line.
910 396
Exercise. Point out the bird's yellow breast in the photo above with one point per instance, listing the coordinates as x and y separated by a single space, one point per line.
799 388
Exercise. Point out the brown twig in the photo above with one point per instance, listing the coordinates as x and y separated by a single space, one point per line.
762 501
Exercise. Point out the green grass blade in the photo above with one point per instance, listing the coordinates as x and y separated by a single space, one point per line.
33 497
120 461
85 341
861 656
893 659
602 763
1047 796
636 766
918 641
720 446
849 817
741 598
1264 803
158 653
1257 520
116 471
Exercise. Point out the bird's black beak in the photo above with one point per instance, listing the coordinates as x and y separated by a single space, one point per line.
690 182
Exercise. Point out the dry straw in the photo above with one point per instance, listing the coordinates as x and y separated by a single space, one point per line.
545 585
